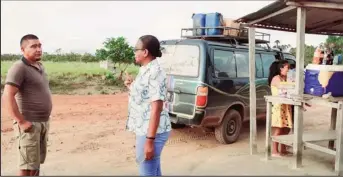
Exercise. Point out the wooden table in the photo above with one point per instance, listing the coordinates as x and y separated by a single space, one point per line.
308 138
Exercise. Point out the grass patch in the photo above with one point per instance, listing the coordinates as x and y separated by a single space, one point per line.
77 77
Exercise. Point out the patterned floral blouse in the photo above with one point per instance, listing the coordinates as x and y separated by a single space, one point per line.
150 85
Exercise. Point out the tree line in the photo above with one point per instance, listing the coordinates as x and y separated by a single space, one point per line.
333 42
67 57
120 52
116 50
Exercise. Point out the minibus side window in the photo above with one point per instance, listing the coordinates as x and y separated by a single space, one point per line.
267 60
224 64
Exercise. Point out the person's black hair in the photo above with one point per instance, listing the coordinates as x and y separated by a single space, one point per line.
292 66
27 37
275 69
151 44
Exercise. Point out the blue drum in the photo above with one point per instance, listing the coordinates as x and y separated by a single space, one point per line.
322 79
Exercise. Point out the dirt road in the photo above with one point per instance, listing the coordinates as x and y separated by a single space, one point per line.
95 125
88 137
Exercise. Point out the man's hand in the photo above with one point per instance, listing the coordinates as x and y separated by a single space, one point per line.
149 149
26 126
128 80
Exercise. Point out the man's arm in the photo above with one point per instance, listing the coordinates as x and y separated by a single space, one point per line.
14 80
10 102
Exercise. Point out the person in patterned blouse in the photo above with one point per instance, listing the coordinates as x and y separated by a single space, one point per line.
148 118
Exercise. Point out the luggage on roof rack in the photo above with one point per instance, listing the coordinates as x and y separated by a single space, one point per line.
213 20
199 21
242 37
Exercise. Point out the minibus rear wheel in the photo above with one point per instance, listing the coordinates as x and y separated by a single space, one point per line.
230 128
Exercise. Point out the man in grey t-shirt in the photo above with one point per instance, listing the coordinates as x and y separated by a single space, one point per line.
28 99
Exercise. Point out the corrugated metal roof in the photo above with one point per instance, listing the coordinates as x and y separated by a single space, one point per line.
318 20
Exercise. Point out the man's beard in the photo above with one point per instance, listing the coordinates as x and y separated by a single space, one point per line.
38 59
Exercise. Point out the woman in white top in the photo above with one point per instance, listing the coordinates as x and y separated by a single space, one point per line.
147 117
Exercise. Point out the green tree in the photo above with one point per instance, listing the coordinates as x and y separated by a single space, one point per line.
336 43
118 51
309 52
282 47
277 42
58 51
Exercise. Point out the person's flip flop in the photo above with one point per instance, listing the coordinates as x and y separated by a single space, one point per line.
276 155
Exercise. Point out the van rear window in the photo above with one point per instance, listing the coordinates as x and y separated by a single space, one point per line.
182 60
289 56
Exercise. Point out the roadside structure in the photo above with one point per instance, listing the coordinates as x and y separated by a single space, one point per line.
323 17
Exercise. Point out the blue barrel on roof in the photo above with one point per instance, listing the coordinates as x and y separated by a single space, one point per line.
199 21
214 20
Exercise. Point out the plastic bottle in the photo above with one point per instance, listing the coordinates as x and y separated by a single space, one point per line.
291 75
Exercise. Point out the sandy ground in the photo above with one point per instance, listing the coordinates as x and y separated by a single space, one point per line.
87 137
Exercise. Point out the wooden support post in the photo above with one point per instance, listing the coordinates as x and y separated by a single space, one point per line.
253 134
298 112
298 133
339 145
268 131
333 126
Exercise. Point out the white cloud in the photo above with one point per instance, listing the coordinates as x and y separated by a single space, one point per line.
83 26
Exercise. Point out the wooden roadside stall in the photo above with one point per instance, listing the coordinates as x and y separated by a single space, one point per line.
301 16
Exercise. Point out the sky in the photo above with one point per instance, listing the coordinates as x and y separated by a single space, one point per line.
82 26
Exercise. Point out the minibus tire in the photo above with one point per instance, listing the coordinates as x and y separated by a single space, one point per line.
177 126
223 133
